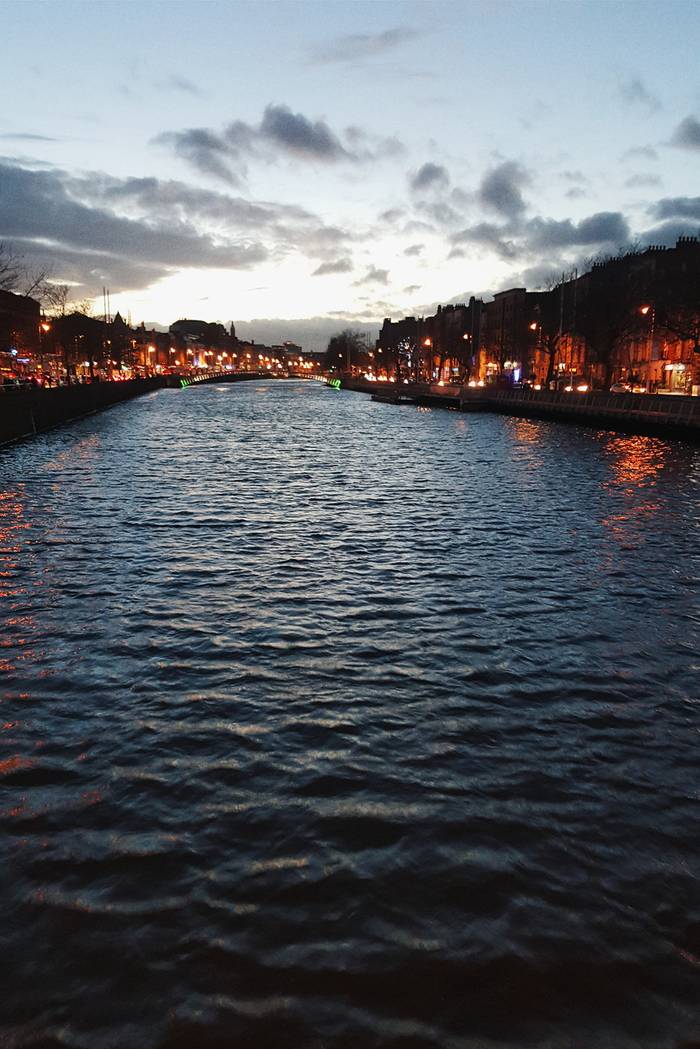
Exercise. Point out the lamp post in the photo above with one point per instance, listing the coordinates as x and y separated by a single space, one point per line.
44 329
645 311
466 338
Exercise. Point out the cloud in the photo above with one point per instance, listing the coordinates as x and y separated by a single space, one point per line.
180 83
541 275
298 135
280 133
640 153
542 235
414 250
574 176
605 227
43 217
576 192
429 176
284 227
687 134
373 276
19 136
391 215
365 146
354 47
634 92
667 233
411 289
500 189
312 333
487 235
164 200
640 181
205 151
676 208
341 266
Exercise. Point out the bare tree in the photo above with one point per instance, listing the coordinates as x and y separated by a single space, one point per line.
17 277
11 269
55 299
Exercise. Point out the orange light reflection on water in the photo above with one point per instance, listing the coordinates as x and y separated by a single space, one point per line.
635 464
15 629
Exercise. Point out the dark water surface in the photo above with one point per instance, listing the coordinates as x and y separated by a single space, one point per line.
331 724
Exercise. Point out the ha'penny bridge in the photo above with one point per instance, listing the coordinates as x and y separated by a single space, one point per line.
27 411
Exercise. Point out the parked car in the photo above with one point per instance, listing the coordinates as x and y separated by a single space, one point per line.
620 387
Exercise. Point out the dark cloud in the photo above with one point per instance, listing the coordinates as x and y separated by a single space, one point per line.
414 250
204 150
284 227
373 276
634 92
687 134
676 208
542 235
605 227
541 275
576 192
429 176
487 235
641 181
341 266
297 134
667 233
164 200
355 47
500 189
411 289
39 213
280 133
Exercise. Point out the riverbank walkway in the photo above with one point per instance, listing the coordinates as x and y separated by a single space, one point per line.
660 415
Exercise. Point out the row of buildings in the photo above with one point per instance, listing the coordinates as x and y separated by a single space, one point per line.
633 319
75 346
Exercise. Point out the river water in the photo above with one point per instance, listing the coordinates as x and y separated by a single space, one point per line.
332 724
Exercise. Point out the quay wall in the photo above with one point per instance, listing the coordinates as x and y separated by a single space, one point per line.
25 412
660 415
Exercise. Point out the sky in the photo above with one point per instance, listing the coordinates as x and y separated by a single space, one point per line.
299 168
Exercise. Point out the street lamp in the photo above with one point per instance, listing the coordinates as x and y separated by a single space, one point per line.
44 328
645 311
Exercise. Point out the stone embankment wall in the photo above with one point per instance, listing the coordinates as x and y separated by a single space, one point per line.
28 411
655 414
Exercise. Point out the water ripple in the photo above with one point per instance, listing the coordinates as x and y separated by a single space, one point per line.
326 724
